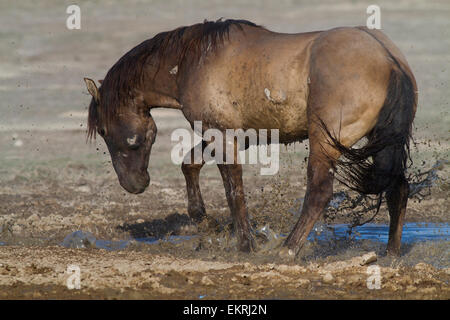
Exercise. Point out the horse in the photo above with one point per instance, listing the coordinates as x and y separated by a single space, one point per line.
334 87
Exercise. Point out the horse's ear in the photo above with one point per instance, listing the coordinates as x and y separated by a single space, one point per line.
92 88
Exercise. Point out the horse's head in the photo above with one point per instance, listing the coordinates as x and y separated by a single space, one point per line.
129 132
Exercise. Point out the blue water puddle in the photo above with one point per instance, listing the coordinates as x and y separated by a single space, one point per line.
111 245
171 239
412 232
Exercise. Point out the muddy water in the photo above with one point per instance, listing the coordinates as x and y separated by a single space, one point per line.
421 242
412 232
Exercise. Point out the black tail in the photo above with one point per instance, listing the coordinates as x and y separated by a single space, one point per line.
375 167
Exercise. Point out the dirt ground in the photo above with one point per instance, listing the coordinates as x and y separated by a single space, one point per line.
53 183
137 275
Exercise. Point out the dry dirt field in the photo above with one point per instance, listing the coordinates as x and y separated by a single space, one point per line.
53 183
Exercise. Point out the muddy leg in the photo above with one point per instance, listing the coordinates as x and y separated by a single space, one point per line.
397 198
234 189
318 193
191 171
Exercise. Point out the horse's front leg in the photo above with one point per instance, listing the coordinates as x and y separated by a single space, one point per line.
234 189
191 167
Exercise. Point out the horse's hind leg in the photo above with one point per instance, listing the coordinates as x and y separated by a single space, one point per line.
318 193
387 163
397 198
191 170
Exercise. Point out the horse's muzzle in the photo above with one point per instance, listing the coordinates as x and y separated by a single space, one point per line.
135 183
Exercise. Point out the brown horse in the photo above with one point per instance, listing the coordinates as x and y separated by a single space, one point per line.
332 87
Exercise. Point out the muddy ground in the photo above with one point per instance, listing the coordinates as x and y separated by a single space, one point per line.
79 192
137 275
53 183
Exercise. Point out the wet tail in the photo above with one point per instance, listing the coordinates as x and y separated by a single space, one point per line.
375 167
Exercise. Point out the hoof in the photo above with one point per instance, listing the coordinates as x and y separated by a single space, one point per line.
208 224
393 252
198 214
247 245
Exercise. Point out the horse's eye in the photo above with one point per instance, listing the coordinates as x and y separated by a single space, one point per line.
133 142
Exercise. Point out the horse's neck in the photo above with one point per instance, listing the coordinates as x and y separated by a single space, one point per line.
160 87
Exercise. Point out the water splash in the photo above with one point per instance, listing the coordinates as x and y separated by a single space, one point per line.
431 179
84 239
266 233
412 233
337 199
297 206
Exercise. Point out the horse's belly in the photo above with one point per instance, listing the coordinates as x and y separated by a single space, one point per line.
272 92
271 109
288 117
